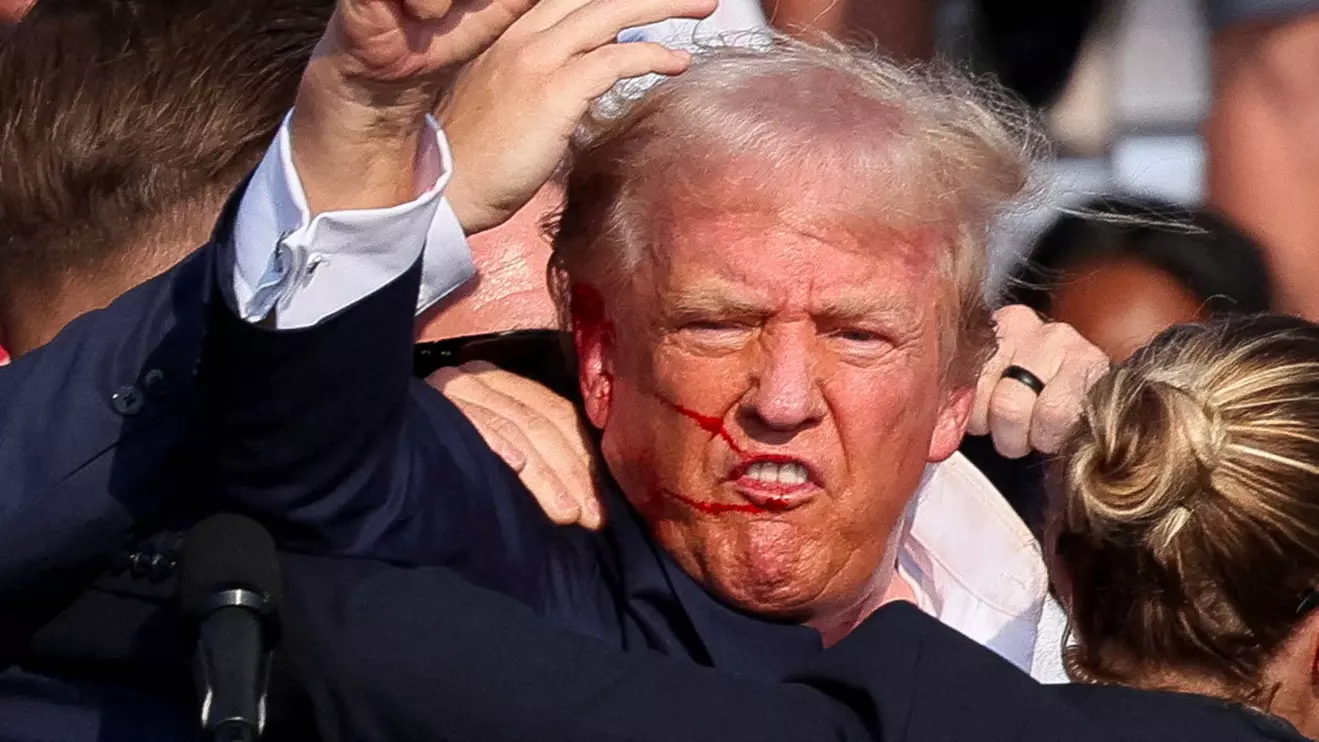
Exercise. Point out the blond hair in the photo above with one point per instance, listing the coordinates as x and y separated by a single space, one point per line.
821 131
1189 522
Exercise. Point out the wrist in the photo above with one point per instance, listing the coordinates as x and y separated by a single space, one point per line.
473 215
337 131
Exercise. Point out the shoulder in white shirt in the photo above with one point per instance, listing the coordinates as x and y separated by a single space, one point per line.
976 567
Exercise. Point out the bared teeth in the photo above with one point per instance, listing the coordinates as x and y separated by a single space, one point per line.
789 473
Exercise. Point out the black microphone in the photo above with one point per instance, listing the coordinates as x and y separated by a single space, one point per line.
229 583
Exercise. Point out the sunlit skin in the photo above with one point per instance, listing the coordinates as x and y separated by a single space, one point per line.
509 291
1120 305
12 11
805 346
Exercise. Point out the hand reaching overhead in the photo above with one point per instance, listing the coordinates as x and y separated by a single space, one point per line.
376 74
513 110
408 45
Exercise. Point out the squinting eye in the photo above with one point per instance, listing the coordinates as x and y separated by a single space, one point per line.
858 336
713 326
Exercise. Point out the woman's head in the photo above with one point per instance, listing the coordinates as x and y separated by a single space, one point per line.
1187 526
1142 266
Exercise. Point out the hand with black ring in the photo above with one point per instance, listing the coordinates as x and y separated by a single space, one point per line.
1030 393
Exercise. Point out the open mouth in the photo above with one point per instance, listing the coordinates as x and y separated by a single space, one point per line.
789 474
765 483
774 483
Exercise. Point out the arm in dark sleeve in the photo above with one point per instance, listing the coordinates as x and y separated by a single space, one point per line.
323 433
909 677
386 653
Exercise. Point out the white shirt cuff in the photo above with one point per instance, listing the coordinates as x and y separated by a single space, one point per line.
304 270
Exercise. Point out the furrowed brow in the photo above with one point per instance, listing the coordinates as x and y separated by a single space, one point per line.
857 308
711 301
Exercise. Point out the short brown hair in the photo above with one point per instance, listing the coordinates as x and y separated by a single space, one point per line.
124 118
1188 527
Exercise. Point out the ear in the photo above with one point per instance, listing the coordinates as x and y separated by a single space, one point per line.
954 414
593 338
1307 634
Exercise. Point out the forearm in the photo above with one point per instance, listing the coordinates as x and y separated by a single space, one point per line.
390 654
310 358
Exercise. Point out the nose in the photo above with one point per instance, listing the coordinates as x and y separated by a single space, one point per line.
784 395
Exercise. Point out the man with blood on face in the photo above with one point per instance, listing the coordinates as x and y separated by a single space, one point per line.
742 394
794 332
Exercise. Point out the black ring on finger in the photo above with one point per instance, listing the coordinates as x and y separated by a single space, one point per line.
1019 374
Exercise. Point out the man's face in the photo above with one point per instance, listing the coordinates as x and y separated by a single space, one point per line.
769 398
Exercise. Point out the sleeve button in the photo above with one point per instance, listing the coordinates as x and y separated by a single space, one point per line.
127 400
155 381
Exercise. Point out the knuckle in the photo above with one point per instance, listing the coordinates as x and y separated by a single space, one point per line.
539 426
1096 359
443 378
530 58
1011 405
504 427
479 367
1058 336
1011 447
562 410
1053 416
1016 318
427 10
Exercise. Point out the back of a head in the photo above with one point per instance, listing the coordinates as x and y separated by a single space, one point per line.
1188 521
1220 265
823 135
125 123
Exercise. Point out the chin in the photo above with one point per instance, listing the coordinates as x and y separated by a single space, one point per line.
792 597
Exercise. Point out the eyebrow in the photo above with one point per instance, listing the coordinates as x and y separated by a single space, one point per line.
720 300
714 299
859 307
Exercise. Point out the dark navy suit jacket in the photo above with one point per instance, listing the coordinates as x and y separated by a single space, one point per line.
390 653
420 487
166 405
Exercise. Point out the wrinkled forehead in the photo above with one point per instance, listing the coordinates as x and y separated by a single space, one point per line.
765 261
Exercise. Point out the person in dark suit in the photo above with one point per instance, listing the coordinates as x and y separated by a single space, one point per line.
1191 475
399 654
141 388
99 415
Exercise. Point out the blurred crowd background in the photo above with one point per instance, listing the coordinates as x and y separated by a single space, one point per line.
1155 107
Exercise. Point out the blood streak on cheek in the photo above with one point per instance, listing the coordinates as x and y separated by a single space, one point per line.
712 425
715 427
716 508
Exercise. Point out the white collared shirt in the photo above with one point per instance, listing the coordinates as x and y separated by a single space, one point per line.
306 269
975 566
